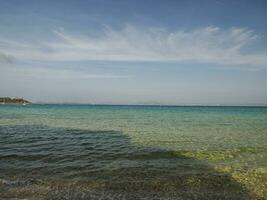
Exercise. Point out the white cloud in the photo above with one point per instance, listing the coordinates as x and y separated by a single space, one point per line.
30 72
205 45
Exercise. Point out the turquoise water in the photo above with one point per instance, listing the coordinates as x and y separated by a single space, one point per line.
132 152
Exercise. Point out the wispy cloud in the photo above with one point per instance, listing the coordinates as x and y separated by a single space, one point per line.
204 45
29 72
4 58
63 74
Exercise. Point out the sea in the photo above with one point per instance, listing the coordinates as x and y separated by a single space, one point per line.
64 151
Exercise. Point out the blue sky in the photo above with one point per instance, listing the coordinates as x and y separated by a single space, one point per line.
134 52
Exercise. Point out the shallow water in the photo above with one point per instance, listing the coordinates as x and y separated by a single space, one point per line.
132 152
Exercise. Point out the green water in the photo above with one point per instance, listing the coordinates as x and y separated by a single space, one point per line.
132 152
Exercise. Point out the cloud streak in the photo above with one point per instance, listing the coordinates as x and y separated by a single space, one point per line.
4 58
45 73
210 45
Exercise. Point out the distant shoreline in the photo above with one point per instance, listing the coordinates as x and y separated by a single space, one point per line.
9 100
16 100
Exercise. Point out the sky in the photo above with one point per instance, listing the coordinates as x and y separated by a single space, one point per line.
177 52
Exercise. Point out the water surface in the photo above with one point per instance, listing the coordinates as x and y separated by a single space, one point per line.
132 152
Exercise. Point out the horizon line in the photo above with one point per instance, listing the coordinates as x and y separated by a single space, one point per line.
156 105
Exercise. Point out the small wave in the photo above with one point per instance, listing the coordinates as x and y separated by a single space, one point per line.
18 182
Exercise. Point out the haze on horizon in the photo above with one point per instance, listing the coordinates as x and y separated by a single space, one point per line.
134 52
